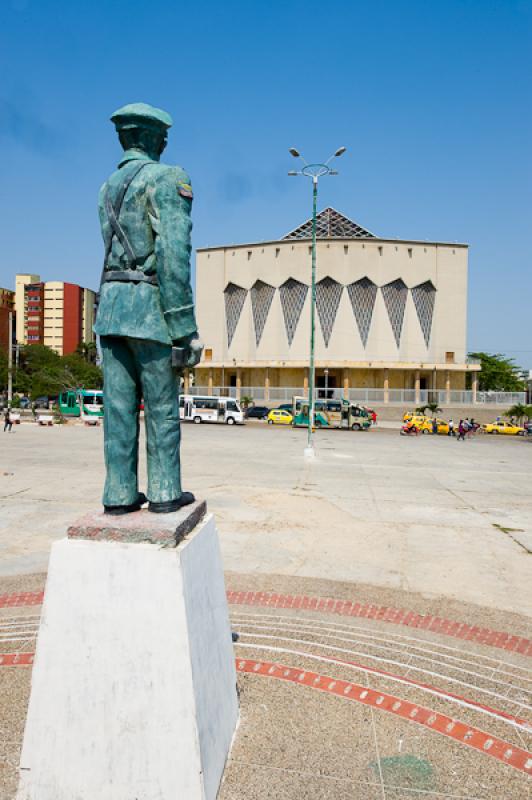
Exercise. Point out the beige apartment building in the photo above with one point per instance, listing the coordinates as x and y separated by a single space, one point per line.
54 313
390 317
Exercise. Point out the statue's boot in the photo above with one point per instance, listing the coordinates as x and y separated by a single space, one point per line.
117 511
172 505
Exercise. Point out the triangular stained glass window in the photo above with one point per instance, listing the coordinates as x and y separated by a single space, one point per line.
395 294
362 294
328 294
293 295
330 224
234 297
424 296
261 300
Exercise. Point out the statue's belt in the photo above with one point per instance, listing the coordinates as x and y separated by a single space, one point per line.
129 275
113 214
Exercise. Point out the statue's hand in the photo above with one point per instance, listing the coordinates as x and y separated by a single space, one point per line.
195 349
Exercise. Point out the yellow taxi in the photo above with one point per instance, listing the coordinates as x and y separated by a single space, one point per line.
416 419
504 427
278 416
426 426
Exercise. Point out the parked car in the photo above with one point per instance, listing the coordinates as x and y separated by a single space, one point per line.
285 407
416 419
257 412
426 425
504 427
42 402
279 416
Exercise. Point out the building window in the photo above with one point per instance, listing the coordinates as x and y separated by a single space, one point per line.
394 295
310 250
424 296
261 300
380 250
293 294
208 354
234 297
249 254
362 295
409 252
328 294
346 249
277 251
449 357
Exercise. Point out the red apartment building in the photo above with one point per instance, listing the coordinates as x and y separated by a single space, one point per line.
57 314
7 304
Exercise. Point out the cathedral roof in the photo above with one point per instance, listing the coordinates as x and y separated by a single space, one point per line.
330 224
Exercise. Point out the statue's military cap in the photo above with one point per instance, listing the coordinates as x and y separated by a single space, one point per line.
141 115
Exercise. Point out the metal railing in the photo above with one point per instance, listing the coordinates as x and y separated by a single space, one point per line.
284 394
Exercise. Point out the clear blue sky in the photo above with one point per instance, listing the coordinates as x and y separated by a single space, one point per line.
431 97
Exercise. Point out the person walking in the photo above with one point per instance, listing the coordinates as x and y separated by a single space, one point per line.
8 424
462 430
434 426
451 428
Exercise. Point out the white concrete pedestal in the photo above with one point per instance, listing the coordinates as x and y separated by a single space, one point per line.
134 686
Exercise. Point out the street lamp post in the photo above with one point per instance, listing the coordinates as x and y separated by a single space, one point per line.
313 171
10 360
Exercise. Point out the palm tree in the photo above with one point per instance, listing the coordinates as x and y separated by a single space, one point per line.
520 411
432 407
87 350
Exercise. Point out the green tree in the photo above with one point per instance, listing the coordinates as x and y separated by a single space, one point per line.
3 369
87 350
432 407
43 372
82 373
499 374
520 411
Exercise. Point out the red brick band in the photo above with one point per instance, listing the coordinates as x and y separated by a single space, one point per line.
16 659
396 616
472 737
346 608
21 599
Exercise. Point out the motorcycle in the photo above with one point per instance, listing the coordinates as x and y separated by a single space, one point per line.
409 430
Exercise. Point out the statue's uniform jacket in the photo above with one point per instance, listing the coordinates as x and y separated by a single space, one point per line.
137 323
156 219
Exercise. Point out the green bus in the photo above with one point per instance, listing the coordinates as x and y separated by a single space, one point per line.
331 414
81 403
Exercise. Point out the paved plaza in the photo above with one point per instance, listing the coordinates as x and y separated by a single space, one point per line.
380 594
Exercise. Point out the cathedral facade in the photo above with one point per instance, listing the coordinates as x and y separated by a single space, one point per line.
390 322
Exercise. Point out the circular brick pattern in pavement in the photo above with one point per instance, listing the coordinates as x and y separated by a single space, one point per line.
474 694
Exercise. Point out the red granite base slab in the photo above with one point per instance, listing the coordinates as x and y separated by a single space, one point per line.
165 530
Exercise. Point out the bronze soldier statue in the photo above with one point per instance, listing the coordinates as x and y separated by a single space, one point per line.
145 319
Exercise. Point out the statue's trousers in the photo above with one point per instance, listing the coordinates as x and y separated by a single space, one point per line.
135 369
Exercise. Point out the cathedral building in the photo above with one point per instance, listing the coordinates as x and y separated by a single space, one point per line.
390 317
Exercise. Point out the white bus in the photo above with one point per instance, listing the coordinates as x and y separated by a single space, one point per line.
194 408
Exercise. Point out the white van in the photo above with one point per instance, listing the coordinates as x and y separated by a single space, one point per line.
194 408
